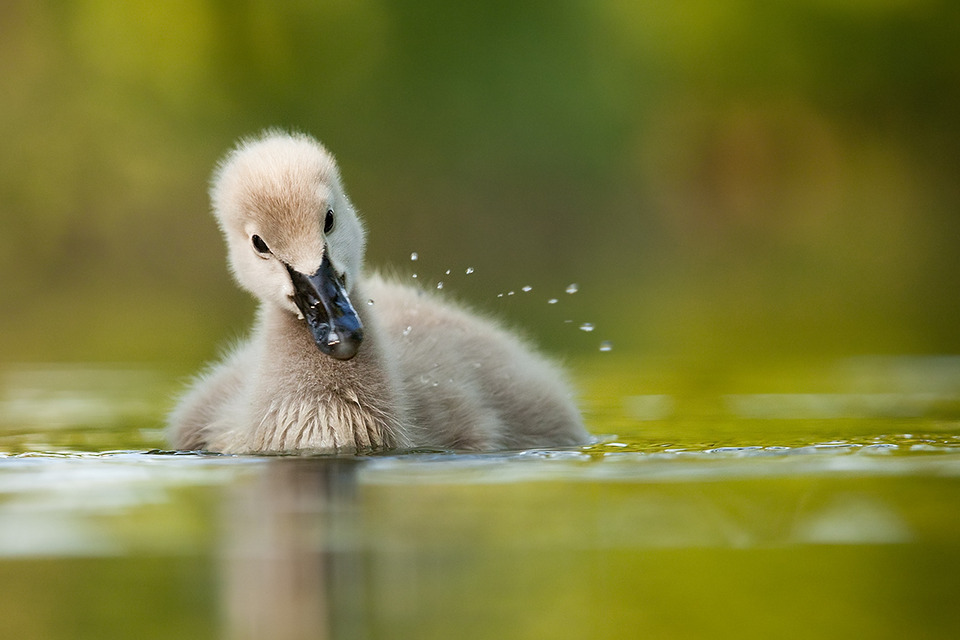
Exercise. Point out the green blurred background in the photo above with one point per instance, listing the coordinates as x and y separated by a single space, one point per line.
742 182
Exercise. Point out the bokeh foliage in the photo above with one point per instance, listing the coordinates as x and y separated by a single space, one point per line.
739 180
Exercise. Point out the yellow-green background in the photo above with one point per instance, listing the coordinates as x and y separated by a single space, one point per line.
728 182
753 197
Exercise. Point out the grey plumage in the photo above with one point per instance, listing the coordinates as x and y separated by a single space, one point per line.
426 374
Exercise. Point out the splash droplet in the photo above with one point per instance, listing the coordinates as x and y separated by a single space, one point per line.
499 295
447 272
572 288
510 293
527 289
370 302
440 285
552 301
586 326
469 270
414 256
414 275
606 345
407 331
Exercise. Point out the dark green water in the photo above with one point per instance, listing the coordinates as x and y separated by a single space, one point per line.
843 521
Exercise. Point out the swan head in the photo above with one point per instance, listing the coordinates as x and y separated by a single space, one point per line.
293 238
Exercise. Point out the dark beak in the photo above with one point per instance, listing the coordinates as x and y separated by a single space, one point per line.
323 301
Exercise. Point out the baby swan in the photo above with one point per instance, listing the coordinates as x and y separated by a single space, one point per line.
326 371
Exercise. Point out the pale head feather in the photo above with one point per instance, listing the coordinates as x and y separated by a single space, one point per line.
280 186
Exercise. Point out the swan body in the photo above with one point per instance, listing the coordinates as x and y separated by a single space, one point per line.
341 362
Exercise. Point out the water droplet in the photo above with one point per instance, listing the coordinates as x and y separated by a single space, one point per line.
440 285
476 365
447 272
370 302
424 379
414 275
606 345
499 295
572 288
469 270
436 383
407 331
414 257
586 326
527 289
552 301
510 293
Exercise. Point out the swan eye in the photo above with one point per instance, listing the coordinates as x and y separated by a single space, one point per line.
328 222
260 245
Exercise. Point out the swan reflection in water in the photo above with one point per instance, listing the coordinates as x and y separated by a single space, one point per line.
292 564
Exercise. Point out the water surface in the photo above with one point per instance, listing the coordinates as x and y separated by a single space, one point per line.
680 525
